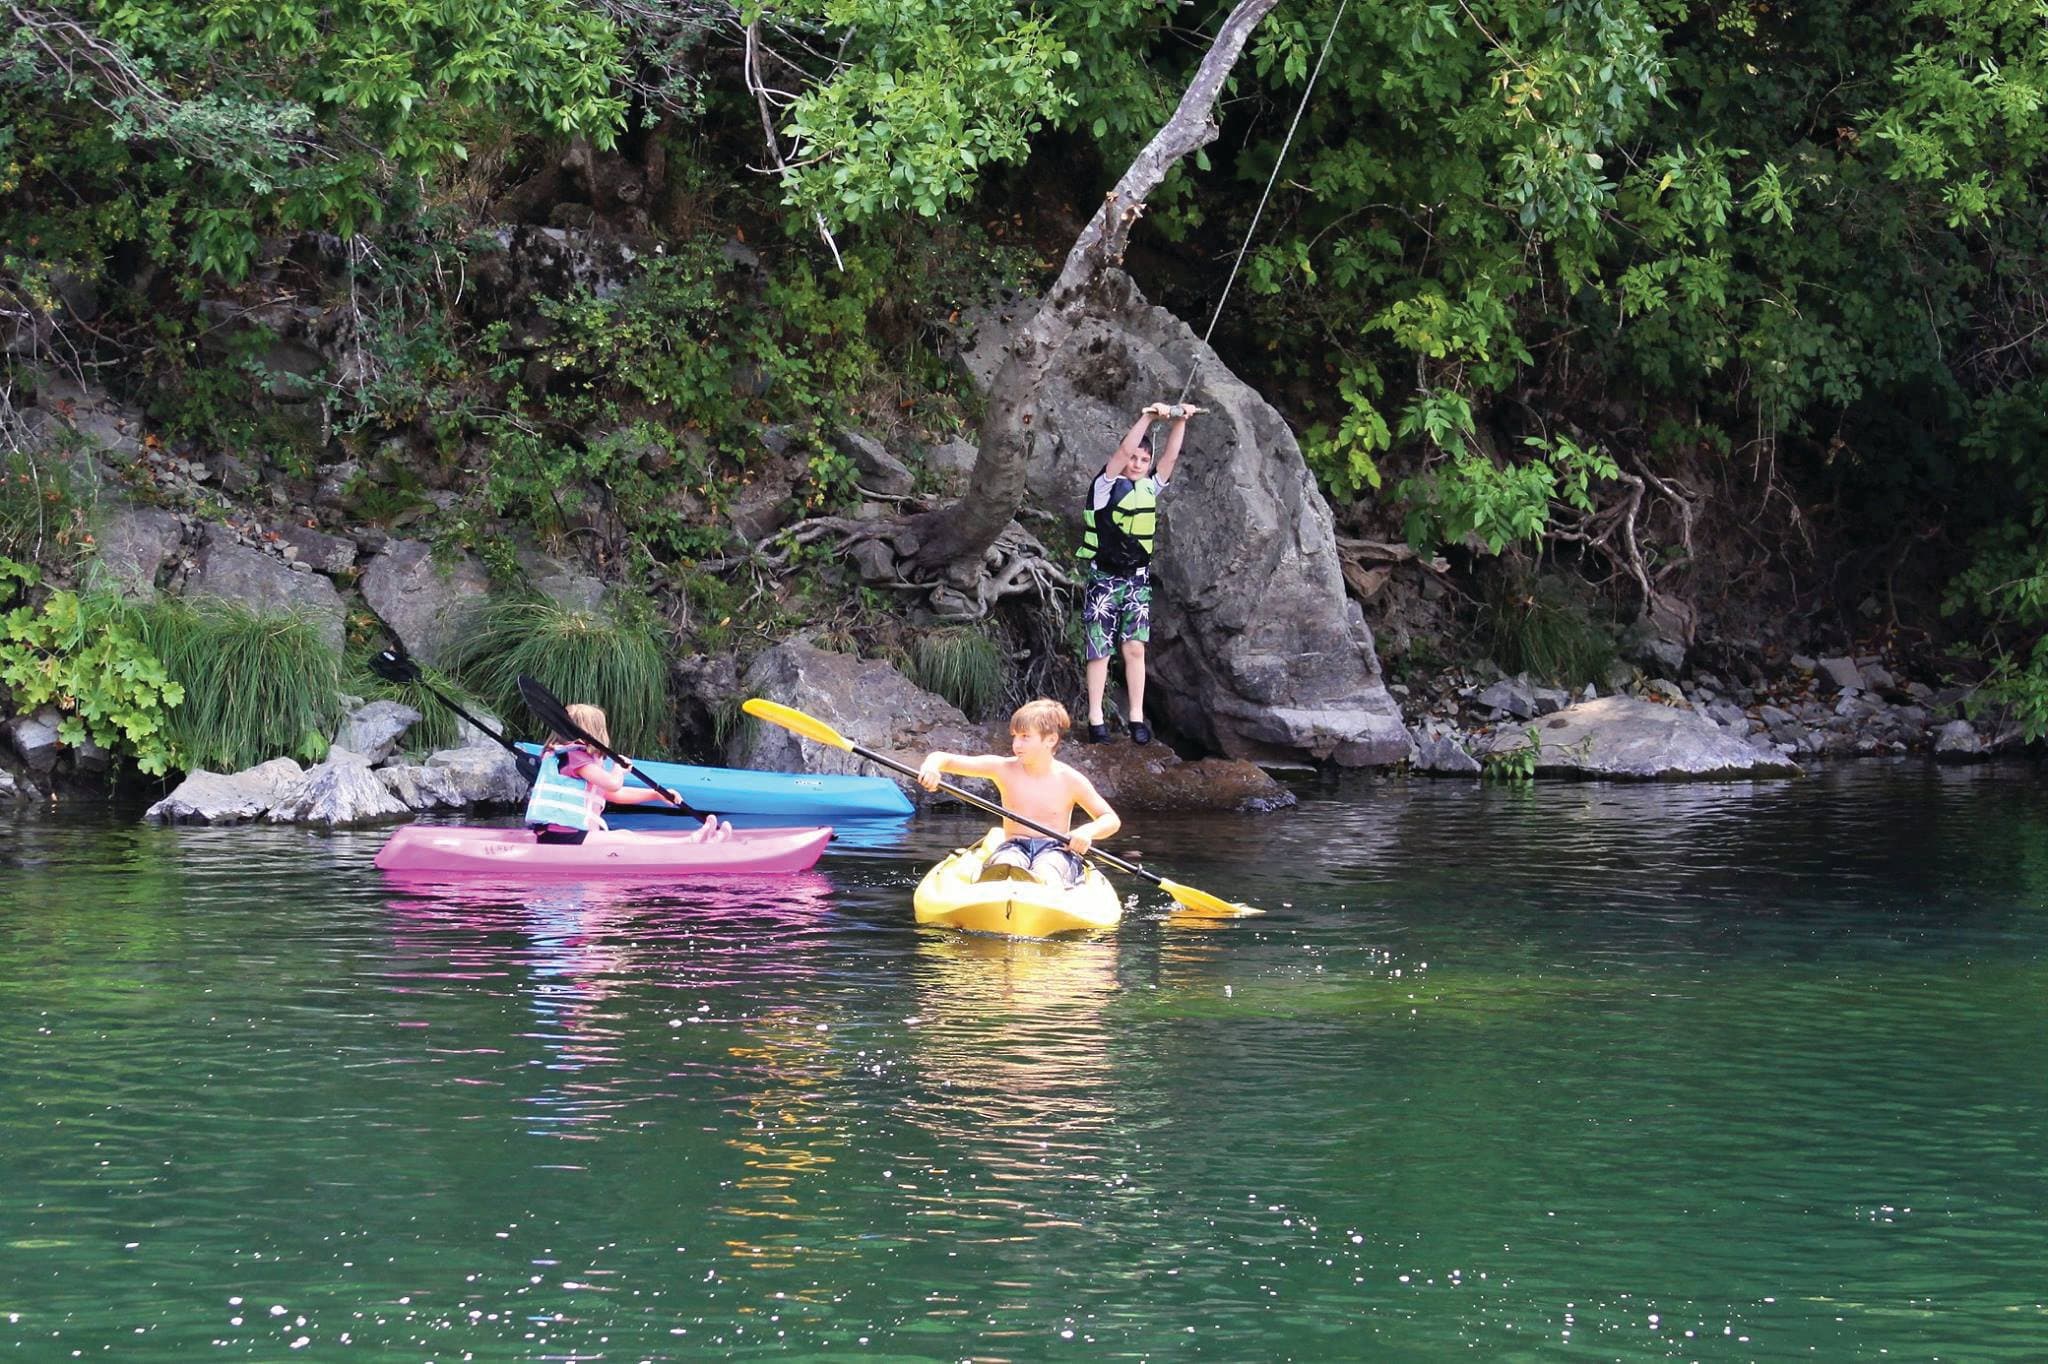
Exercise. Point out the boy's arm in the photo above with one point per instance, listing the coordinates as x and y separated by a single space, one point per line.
1102 820
959 764
1170 456
1134 440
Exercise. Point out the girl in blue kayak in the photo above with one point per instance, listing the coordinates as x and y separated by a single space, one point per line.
575 784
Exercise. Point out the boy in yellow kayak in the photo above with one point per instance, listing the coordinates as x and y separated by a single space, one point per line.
1039 787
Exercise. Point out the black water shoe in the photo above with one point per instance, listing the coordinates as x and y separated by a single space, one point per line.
1141 733
1098 734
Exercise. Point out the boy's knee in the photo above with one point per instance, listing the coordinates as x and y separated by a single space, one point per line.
1134 648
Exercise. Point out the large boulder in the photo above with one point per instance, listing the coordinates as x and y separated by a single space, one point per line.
868 702
35 738
374 729
423 788
232 571
481 775
422 600
1626 738
876 707
133 546
341 790
1257 650
212 798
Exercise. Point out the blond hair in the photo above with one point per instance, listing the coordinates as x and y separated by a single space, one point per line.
591 718
1043 716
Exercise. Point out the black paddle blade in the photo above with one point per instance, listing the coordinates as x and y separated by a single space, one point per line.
548 709
393 666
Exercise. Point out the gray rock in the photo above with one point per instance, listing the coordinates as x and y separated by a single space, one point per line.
1958 741
34 737
373 730
12 790
422 788
234 572
235 476
877 708
1551 699
1658 654
213 798
1259 651
1842 673
332 491
319 551
1621 737
483 775
1728 715
342 790
90 759
133 547
1510 696
1444 755
869 702
880 471
424 602
1804 664
566 587
952 465
1667 690
1773 716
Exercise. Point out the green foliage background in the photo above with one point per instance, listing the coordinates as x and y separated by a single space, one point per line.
1524 256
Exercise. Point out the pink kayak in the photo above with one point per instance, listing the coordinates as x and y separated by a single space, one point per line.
448 848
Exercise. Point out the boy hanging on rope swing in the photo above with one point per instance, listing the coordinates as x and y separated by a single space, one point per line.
1121 517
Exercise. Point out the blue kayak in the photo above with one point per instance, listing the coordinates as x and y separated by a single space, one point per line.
743 791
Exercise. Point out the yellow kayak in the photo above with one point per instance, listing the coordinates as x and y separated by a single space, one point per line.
953 893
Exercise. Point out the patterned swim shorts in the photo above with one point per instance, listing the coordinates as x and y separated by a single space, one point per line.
1115 608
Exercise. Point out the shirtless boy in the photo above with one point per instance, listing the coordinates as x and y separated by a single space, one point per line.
1039 787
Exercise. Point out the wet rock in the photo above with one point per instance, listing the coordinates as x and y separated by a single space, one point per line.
340 791
34 737
1441 753
484 775
1621 737
373 730
214 798
1958 741
423 788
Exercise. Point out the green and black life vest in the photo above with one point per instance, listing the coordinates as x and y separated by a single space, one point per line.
1118 534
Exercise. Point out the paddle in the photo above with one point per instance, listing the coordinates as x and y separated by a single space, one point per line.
810 727
394 665
552 713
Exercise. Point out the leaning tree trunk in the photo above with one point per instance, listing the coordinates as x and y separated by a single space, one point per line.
951 540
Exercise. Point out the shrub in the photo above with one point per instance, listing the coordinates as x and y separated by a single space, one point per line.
964 666
612 659
257 684
1536 627
84 655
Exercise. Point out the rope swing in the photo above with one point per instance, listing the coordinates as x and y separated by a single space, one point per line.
1271 180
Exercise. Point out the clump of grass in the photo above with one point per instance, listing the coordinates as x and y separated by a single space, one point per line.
258 684
964 666
611 659
43 506
1536 627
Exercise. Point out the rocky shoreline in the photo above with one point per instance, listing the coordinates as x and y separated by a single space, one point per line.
1707 725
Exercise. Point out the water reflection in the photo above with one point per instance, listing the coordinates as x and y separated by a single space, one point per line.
583 959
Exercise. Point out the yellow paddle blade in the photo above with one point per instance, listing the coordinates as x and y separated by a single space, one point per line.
795 721
1203 903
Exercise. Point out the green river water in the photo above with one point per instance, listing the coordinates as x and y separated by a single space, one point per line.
1573 1072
